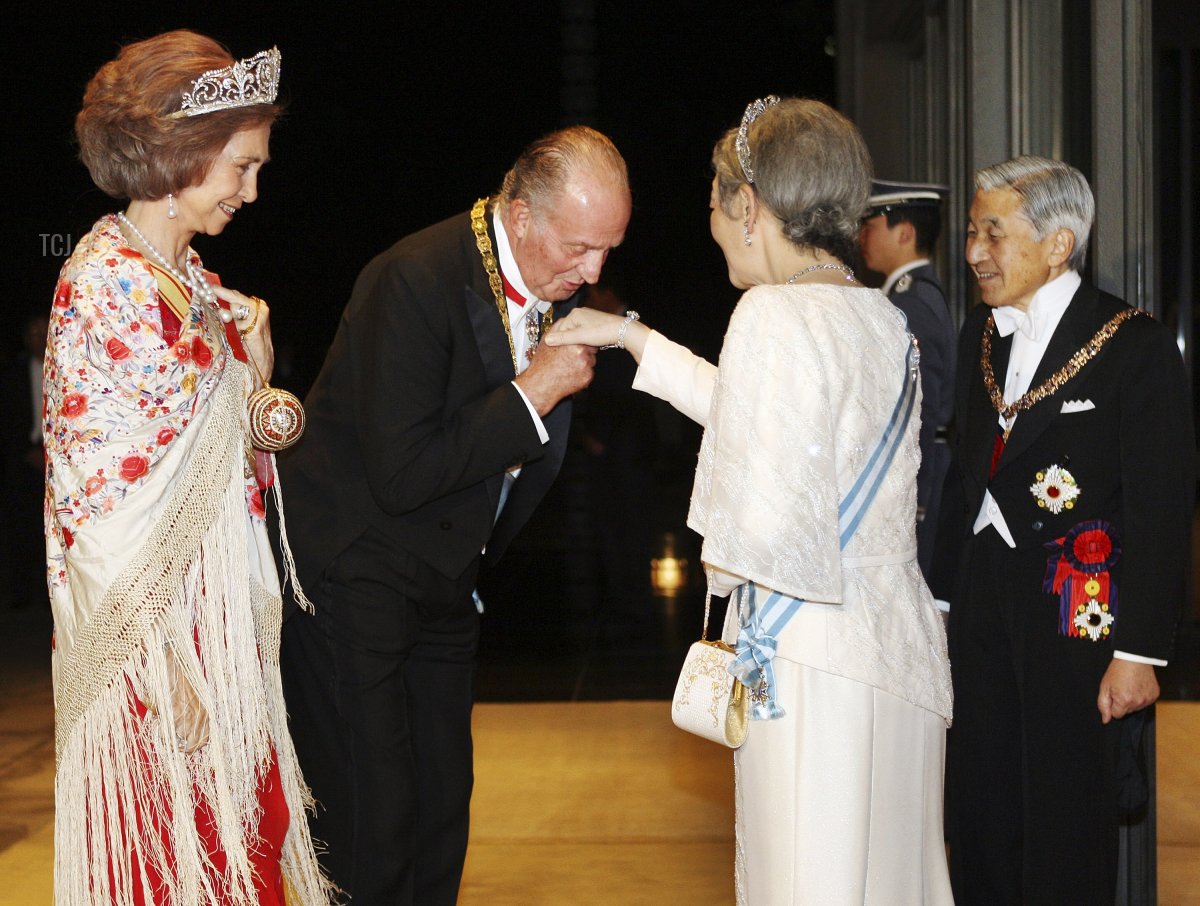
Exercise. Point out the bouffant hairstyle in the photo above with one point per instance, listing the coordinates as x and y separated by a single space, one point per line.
811 169
128 140
546 167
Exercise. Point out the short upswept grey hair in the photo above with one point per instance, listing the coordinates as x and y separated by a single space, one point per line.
546 167
811 169
1054 196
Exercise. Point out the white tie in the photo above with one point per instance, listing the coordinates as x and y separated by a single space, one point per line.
1010 319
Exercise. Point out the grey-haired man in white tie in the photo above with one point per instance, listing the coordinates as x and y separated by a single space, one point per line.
1075 450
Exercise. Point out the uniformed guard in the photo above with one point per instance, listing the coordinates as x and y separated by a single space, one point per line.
897 239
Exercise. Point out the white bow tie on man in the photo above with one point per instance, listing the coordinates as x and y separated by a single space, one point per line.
1010 319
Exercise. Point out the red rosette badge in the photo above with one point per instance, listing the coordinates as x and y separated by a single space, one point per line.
1077 570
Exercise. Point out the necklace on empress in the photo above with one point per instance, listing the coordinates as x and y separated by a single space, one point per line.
850 278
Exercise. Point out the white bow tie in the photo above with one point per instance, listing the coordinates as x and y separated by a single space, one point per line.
1010 319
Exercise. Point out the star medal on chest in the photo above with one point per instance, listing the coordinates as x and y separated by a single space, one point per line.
540 317
1054 489
1078 570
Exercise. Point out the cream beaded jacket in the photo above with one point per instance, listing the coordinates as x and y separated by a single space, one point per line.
808 377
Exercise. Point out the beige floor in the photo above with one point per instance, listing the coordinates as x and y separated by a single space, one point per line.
597 803
580 804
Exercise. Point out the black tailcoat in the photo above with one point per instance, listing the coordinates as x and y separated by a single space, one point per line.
413 419
1032 773
1132 455
390 498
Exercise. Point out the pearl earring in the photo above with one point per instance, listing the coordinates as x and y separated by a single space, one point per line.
171 206
746 231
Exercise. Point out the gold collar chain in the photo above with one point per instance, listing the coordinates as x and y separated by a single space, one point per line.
1052 384
484 243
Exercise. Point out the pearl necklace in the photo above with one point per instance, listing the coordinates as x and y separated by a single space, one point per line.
822 267
193 279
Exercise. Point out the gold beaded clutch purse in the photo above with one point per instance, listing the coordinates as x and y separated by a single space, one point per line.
709 701
276 418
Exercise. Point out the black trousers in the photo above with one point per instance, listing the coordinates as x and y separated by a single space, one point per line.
379 693
1033 817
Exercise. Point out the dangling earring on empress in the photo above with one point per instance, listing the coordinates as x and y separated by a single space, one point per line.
171 206
746 230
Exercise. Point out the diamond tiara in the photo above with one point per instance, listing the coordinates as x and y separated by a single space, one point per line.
754 110
254 80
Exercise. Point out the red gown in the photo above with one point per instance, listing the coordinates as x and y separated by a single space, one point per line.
273 824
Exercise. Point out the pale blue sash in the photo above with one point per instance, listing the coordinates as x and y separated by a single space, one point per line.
762 623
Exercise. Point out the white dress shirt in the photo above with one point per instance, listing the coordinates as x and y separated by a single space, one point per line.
1031 331
517 315
520 340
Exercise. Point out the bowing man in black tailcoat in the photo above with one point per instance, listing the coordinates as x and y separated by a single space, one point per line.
434 430
1075 451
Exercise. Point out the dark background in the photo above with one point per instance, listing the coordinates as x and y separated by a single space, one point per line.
399 115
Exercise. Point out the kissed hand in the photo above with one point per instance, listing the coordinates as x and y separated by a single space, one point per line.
598 328
586 326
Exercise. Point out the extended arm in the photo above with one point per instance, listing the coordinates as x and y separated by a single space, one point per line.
666 370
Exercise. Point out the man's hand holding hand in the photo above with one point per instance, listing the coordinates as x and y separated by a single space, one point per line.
554 373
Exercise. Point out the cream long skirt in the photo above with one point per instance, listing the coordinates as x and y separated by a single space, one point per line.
839 802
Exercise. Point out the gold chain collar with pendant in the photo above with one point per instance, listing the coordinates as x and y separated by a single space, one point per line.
1052 384
483 242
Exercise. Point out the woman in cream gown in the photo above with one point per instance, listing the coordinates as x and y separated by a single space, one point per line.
839 784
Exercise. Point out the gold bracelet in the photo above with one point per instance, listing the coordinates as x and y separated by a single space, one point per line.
249 327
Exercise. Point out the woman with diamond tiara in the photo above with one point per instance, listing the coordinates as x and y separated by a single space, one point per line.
176 780
806 496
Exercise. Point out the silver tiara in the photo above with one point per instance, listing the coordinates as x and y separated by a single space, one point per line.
754 110
254 80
